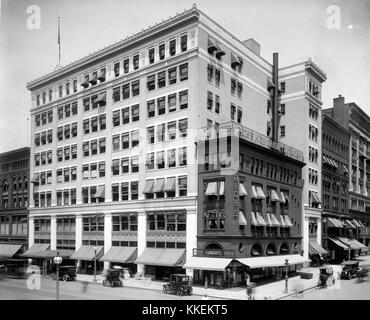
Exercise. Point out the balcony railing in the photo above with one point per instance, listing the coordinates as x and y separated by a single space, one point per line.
235 129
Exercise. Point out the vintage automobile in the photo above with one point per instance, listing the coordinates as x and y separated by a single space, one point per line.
362 272
14 271
326 277
349 270
66 273
112 278
179 284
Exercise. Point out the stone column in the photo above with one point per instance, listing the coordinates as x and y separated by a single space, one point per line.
305 240
78 237
31 231
319 231
107 236
141 238
53 233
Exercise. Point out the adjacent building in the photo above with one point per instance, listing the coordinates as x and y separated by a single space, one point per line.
115 148
354 119
14 195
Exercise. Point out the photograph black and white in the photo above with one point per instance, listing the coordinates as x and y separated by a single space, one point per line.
184 150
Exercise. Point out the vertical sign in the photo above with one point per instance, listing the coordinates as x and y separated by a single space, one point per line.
236 195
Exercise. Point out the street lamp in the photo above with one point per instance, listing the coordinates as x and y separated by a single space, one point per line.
58 260
286 275
95 250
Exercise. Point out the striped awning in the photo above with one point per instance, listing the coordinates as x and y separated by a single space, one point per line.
254 193
162 257
315 248
260 193
120 255
242 220
273 261
87 253
287 221
9 250
274 196
339 243
350 224
356 223
260 220
242 191
274 220
211 189
253 219
207 263
36 249
336 223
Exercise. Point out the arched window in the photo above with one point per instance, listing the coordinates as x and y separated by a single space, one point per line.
15 184
5 186
213 249
256 250
25 183
20 184
284 249
270 249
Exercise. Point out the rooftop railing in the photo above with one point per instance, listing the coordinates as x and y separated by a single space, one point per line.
238 130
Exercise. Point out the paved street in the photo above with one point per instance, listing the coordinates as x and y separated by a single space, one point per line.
15 289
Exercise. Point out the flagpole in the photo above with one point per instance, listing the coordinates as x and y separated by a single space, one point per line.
59 40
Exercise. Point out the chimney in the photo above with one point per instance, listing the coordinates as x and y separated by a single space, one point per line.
339 101
275 98
253 45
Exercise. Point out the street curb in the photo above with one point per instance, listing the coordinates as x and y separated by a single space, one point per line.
294 293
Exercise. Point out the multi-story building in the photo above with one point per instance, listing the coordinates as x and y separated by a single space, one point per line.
114 138
354 119
335 187
14 195
249 207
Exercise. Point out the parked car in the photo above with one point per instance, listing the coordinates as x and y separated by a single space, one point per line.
14 271
349 270
179 284
112 278
362 272
66 273
326 276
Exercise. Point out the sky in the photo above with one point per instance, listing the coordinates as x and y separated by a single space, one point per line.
334 33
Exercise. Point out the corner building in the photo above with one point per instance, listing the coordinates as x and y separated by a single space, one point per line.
114 150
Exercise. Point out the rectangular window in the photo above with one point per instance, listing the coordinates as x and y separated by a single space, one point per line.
94 124
282 131
183 99
135 112
210 73
67 153
94 104
124 191
183 128
86 149
184 72
134 138
50 95
50 136
161 79
217 104
134 193
60 91
150 82
172 75
161 131
74 151
73 173
240 89
67 131
101 169
68 87
125 165
240 115
217 77
171 158
151 55
115 142
60 154
43 118
66 174
149 163
125 140
74 85
74 108
125 115
102 145
151 108
116 69
74 129
116 118
126 65
182 156
232 112
37 120
160 160
60 113
102 121
135 164
135 62
135 87
184 42
282 87
85 171
173 47
183 186
116 94
86 103
115 197
161 51
150 134
126 91
171 129
172 102
50 156
59 176
115 167
94 147
209 100
86 126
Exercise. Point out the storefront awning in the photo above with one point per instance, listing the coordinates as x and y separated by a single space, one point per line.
242 191
260 193
338 243
8 250
315 248
87 253
50 254
120 255
207 263
362 225
211 189
272 261
274 196
36 249
335 223
351 243
162 257
242 220
350 224
170 184
274 220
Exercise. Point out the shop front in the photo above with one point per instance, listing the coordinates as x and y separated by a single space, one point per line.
86 257
160 263
316 253
122 258
33 255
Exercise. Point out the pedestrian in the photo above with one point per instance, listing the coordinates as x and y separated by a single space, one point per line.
206 283
84 287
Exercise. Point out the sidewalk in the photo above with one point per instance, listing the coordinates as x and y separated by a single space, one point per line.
273 291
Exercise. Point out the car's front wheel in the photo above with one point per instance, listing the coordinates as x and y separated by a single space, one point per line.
53 276
180 291
349 276
165 290
190 291
65 277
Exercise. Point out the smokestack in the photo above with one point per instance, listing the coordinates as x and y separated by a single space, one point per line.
275 98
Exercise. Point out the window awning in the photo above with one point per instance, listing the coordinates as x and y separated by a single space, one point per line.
211 189
242 220
356 243
36 178
274 196
94 78
336 223
356 223
8 250
162 257
270 84
254 193
282 197
362 225
260 193
159 186
211 45
282 222
222 188
101 74
287 221
275 222
120 255
345 168
85 82
242 191
268 220
315 197
260 220
100 192
170 184
87 253
102 97
50 254
254 219
338 243
273 261
335 164
36 248
219 52
207 263
350 224
235 61
149 185
315 248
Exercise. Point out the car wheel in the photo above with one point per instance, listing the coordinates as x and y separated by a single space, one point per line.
111 284
104 283
180 291
190 291
65 278
349 276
